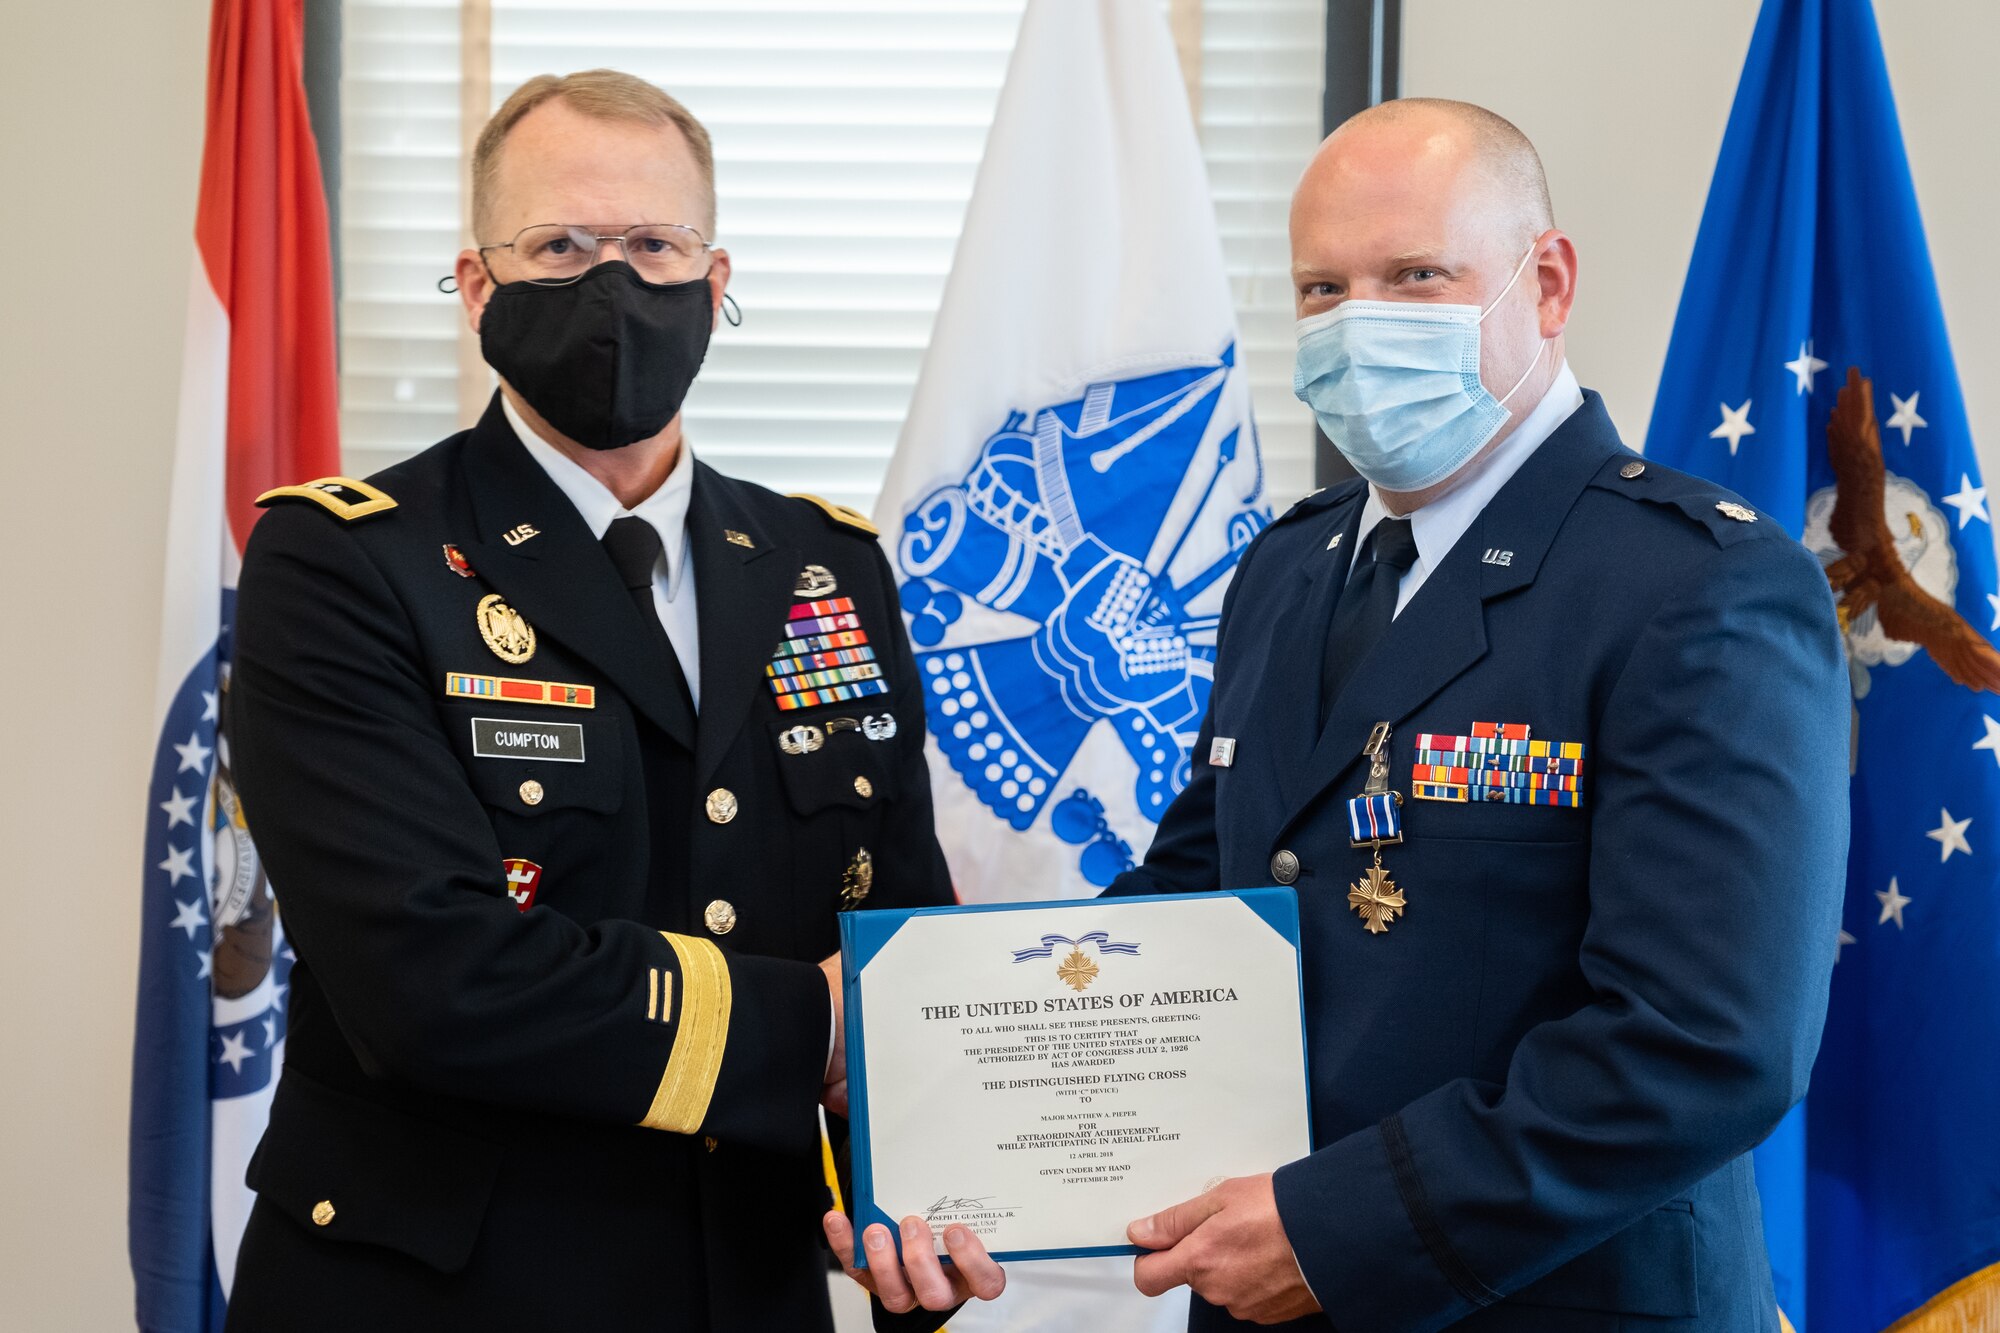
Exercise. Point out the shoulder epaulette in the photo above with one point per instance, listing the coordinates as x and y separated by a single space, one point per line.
1315 500
1713 507
343 497
841 514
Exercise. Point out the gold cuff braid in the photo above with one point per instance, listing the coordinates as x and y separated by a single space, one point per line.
688 1082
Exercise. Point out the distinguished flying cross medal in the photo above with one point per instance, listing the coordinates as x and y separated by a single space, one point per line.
1375 818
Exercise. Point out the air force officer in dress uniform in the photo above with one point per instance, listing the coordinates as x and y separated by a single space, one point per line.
564 750
1603 707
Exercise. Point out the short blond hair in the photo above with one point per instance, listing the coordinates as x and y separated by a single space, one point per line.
605 94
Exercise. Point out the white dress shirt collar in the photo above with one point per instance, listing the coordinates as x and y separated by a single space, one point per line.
666 508
1439 524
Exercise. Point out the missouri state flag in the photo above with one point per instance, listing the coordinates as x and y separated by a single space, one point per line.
257 409
1810 371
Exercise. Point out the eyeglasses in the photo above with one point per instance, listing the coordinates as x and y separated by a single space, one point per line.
554 253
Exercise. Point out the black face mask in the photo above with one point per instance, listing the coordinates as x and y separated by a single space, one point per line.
606 359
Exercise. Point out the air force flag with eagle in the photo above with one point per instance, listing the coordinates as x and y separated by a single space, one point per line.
1077 478
1810 371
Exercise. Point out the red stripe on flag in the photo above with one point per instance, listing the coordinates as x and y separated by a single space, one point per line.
262 231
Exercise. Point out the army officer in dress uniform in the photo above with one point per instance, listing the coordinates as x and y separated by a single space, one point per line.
1552 743
564 750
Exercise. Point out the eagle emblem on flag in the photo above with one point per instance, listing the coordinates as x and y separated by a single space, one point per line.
1889 557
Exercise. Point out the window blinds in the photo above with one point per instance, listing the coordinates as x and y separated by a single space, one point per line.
847 135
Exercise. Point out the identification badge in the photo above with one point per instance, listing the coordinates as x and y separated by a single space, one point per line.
509 738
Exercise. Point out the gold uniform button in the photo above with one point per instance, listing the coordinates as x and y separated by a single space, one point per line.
531 792
322 1212
1632 470
722 809
863 788
720 916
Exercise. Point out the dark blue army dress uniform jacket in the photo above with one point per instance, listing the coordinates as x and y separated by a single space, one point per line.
1534 1094
557 1030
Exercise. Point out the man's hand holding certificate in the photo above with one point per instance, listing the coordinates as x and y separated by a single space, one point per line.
1033 1077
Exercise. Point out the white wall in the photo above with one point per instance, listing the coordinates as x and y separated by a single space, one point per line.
1627 100
100 123
99 140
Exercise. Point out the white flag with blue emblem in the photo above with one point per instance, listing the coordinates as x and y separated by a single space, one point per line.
1076 479
1079 471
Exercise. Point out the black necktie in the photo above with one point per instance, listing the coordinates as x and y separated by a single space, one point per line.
635 548
1366 606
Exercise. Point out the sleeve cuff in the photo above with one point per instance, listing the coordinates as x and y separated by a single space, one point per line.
1346 1211
700 1037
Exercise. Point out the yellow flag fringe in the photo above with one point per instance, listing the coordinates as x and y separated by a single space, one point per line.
1970 1305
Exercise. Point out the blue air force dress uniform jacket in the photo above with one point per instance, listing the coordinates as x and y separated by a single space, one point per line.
556 1027
1534 1093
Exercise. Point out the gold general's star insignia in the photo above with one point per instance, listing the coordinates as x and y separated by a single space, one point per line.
1377 898
1077 970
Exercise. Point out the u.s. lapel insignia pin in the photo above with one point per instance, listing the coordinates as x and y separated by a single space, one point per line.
519 533
815 581
735 538
511 638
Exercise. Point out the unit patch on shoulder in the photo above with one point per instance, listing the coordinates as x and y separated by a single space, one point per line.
343 497
841 514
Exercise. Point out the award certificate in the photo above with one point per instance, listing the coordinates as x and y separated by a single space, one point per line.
1045 1073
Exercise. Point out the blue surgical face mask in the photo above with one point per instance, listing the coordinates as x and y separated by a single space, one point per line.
1395 385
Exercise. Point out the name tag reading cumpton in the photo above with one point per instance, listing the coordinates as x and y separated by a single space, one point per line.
510 738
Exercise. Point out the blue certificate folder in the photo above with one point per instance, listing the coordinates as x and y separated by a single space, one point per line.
863 934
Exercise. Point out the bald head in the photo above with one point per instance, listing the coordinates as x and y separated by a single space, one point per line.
1426 200
1417 179
1498 158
